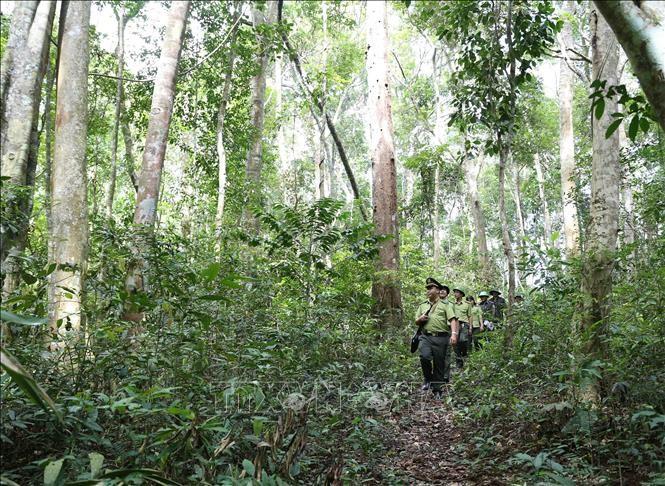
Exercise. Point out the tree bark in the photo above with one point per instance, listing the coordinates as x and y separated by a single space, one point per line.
23 96
69 204
120 53
19 30
547 222
436 229
386 287
154 152
640 29
129 154
571 228
605 188
254 161
504 154
221 150
472 168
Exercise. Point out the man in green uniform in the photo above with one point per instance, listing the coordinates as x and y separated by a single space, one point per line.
439 331
463 314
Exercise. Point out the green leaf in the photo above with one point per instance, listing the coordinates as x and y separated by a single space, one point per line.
211 271
645 124
600 108
633 127
22 320
53 473
96 463
27 383
613 127
152 475
248 466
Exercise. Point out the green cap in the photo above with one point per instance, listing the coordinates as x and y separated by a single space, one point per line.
483 294
460 290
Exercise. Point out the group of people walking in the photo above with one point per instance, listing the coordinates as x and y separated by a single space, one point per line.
457 322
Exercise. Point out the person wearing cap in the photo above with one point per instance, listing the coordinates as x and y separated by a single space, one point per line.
439 331
487 309
477 326
463 314
499 304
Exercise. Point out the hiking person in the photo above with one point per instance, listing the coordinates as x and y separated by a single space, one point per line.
440 330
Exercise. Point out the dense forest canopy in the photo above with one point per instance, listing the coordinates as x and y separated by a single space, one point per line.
222 221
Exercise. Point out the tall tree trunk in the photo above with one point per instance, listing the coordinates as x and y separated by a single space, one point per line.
436 229
472 166
23 97
120 53
605 188
69 203
517 197
640 28
221 150
255 152
571 228
547 222
129 154
154 152
504 154
19 29
12 264
386 286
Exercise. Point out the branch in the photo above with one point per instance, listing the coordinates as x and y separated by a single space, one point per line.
180 75
293 55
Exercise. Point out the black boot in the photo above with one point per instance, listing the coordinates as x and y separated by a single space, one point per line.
426 365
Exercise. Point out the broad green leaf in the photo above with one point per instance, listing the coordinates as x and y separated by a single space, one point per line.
22 320
600 108
645 124
613 127
27 383
96 463
211 271
53 473
248 466
633 127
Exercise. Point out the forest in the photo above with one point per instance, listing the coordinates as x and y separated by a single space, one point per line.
222 224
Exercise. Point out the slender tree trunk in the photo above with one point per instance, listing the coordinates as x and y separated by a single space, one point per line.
23 96
386 287
517 196
221 150
255 153
19 30
120 53
156 140
547 222
12 264
504 155
605 188
436 231
571 228
472 168
69 203
129 155
640 28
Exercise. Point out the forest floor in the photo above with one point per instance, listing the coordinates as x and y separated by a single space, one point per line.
427 447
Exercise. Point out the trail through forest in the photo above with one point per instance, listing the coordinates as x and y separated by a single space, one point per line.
425 447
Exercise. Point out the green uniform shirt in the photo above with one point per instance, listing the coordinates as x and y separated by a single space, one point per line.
439 317
477 314
463 311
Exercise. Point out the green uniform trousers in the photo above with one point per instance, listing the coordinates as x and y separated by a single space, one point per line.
434 351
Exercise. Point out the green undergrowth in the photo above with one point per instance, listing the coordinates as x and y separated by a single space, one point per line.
523 407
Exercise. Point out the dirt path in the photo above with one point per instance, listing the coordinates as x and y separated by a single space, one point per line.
426 447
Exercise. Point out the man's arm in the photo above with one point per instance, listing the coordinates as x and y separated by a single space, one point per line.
454 330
